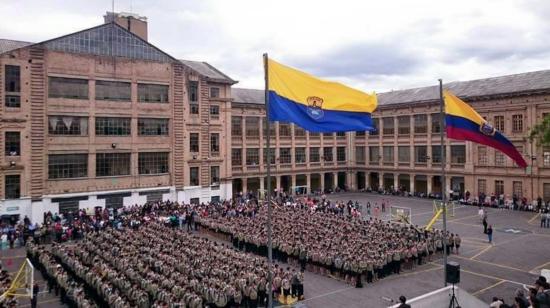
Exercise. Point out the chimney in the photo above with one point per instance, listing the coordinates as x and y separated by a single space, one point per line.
129 21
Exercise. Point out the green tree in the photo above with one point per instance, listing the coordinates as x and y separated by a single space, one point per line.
541 132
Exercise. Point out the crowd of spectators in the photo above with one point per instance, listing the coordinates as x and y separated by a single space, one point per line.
537 296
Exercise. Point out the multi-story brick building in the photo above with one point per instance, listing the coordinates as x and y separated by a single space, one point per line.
103 118
405 149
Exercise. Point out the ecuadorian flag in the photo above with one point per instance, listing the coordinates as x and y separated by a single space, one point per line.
317 105
464 123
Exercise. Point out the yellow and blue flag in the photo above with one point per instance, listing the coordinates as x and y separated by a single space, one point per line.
317 105
462 122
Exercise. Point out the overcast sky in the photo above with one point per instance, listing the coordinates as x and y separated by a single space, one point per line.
371 45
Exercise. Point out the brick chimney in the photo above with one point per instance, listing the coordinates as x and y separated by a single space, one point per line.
129 21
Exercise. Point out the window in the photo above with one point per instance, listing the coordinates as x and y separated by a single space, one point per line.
314 135
68 88
193 91
113 90
194 142
340 135
152 127
68 125
12 143
252 156
236 126
314 156
327 154
420 154
236 157
341 153
360 134
387 155
458 154
375 127
12 78
271 155
153 163
285 156
482 186
499 123
436 153
252 126
214 92
284 130
374 154
517 187
404 154
300 155
436 123
517 123
215 144
388 126
194 176
215 175
404 125
299 132
65 166
194 108
360 154
12 186
214 111
112 126
500 160
421 124
152 93
112 164
12 85
482 159
546 156
328 135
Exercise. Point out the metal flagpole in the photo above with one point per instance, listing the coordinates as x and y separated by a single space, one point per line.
269 209
443 182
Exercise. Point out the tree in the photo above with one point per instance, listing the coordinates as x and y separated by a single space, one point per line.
541 132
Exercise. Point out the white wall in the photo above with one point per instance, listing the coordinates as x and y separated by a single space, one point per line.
441 299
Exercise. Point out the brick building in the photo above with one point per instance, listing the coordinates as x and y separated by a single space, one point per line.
103 118
405 150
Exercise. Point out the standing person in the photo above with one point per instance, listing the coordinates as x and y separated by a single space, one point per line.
383 206
542 219
485 224
490 234
458 240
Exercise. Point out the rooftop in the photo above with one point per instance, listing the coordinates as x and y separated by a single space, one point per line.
504 85
8 45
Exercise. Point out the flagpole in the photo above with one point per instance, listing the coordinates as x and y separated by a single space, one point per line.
443 182
269 209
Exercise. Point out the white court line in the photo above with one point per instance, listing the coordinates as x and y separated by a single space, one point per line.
326 294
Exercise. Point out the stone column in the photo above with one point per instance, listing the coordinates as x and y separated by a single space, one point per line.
293 181
395 181
308 183
447 184
381 180
367 180
411 181
335 179
262 179
429 179
245 189
278 182
322 180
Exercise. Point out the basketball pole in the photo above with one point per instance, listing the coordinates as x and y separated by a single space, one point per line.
443 182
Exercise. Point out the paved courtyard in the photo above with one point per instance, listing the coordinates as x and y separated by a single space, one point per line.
519 251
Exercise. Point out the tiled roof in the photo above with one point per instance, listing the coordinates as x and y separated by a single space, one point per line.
504 85
248 96
8 45
510 84
208 70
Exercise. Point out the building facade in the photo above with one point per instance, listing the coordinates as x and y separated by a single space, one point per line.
405 150
102 118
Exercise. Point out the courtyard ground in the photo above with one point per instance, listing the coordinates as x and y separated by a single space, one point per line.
520 249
